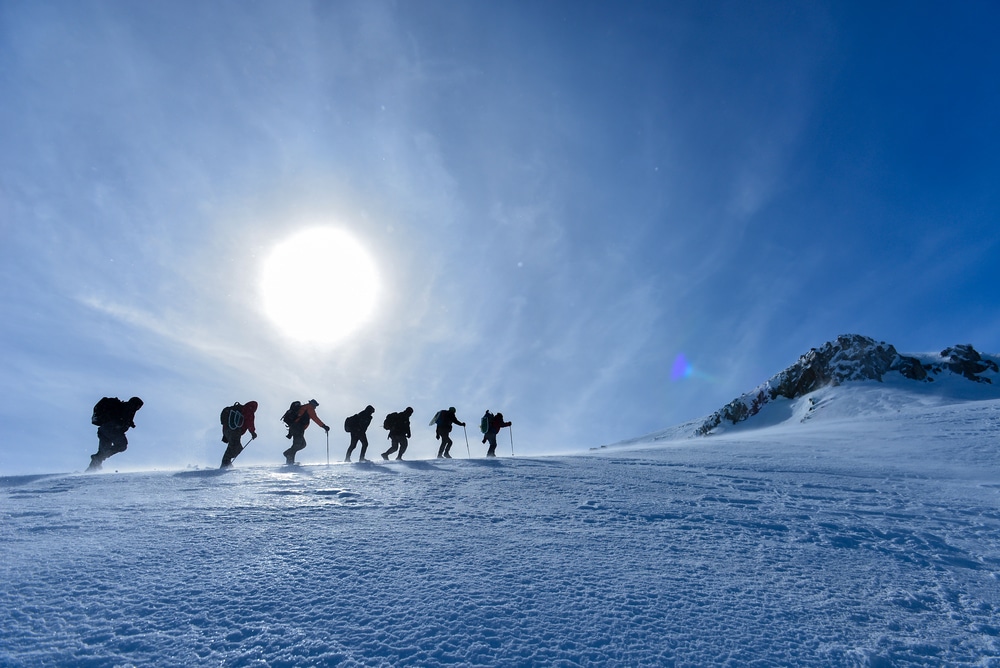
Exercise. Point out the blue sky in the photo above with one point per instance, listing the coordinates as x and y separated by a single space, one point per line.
562 198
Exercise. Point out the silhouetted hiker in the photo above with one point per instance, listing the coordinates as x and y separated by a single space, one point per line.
236 421
398 425
297 417
491 425
113 417
357 425
444 421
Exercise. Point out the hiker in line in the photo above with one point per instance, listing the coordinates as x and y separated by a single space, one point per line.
398 425
113 417
236 421
357 425
493 425
298 421
443 432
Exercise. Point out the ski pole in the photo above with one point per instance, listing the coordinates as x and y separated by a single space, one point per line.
467 450
510 432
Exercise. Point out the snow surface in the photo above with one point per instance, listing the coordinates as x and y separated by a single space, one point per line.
859 528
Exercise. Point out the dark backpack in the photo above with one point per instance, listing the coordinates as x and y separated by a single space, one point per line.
390 421
349 423
292 419
484 424
437 417
232 416
105 410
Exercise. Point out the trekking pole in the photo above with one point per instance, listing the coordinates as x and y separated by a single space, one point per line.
328 447
469 452
244 447
510 432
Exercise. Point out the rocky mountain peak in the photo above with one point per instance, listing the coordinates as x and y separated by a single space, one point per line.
849 358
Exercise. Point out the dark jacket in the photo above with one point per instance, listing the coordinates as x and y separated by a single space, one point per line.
445 420
123 415
360 422
401 426
497 423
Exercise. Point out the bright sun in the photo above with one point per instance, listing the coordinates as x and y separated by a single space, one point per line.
319 286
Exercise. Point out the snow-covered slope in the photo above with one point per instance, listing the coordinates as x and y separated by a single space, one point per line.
862 528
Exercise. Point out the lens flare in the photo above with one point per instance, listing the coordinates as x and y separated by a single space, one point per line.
682 368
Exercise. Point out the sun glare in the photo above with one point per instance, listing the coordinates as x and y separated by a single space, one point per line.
319 286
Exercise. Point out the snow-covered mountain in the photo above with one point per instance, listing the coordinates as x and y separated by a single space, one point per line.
956 373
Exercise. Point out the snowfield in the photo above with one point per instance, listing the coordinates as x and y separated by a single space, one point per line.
858 528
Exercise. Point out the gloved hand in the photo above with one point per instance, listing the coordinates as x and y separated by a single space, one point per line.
326 428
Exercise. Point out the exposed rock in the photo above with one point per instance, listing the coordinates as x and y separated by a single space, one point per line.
911 368
849 357
966 361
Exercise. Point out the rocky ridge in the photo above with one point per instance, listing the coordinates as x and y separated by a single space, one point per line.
849 358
